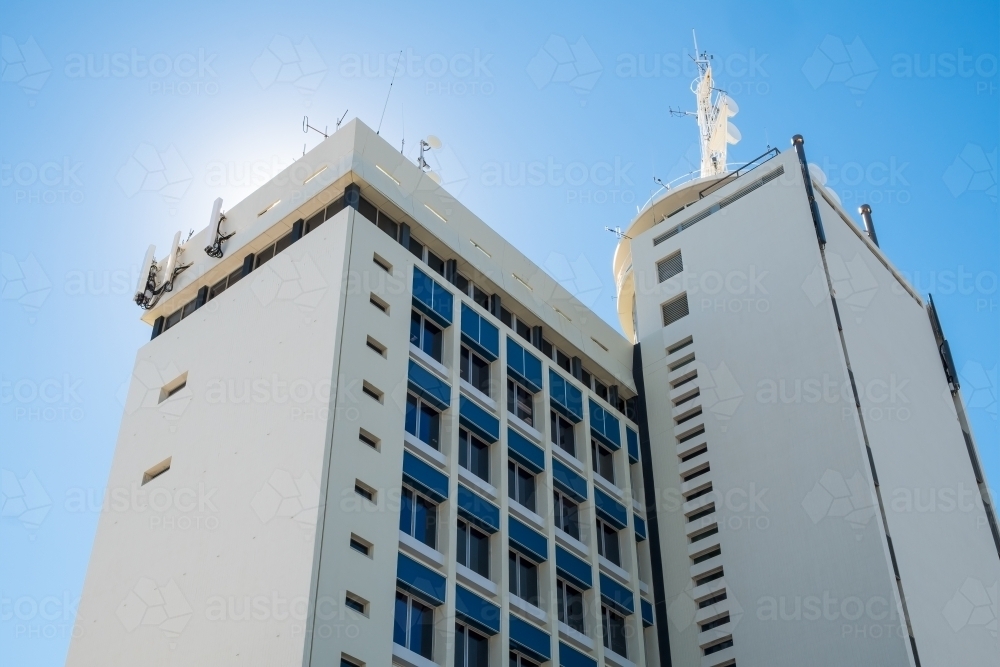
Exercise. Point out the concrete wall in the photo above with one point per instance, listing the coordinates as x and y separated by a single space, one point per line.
792 560
942 540
221 574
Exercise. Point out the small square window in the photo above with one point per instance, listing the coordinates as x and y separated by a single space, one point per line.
354 603
378 303
156 471
369 439
365 491
363 547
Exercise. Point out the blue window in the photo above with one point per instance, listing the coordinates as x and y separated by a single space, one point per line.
521 485
566 398
520 402
607 542
479 334
423 421
614 632
418 517
524 366
425 335
474 455
567 514
633 444
563 433
604 427
473 550
414 625
471 648
432 299
475 370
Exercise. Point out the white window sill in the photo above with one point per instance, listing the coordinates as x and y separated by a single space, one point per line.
522 512
567 458
424 451
415 547
608 487
613 658
430 362
527 609
407 658
479 483
643 587
523 427
638 508
573 544
573 637
477 395
615 571
475 581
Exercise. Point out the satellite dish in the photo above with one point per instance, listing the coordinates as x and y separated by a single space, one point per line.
732 107
817 173
733 135
433 141
147 266
434 176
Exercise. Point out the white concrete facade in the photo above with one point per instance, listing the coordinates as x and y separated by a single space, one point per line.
800 530
280 379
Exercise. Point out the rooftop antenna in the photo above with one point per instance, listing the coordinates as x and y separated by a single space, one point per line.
341 120
306 127
714 128
656 179
431 142
617 231
389 93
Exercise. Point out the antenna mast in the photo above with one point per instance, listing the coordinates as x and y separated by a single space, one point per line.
714 129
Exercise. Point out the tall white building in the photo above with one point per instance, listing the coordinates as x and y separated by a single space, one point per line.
369 430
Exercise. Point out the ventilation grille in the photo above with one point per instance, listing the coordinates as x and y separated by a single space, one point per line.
739 194
669 267
675 309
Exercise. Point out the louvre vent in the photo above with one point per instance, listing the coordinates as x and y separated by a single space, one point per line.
675 309
739 194
669 267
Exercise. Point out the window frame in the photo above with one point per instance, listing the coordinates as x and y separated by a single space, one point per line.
426 651
418 409
422 323
462 645
559 517
430 527
467 546
601 536
466 363
600 456
465 446
517 562
563 606
613 640
515 473
556 430
513 394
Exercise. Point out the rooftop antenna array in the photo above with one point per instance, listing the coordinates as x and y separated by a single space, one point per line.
715 130
215 222
147 292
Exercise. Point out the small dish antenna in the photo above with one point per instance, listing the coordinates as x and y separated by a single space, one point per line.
430 143
147 292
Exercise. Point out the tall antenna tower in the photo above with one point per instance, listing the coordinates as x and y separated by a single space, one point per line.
715 130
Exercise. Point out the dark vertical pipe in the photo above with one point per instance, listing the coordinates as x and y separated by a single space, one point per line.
247 265
202 298
799 143
866 217
652 522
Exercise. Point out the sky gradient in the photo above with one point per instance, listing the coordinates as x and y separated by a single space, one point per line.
122 124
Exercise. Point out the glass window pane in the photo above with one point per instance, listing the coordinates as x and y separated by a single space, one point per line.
414 328
421 629
411 414
512 573
479 650
479 553
461 554
479 454
463 448
406 512
511 480
460 646
399 626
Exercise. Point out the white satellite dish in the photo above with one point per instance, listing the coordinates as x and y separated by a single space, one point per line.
433 141
817 173
732 107
733 135
434 176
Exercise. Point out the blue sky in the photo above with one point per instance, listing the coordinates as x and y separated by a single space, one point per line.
120 126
